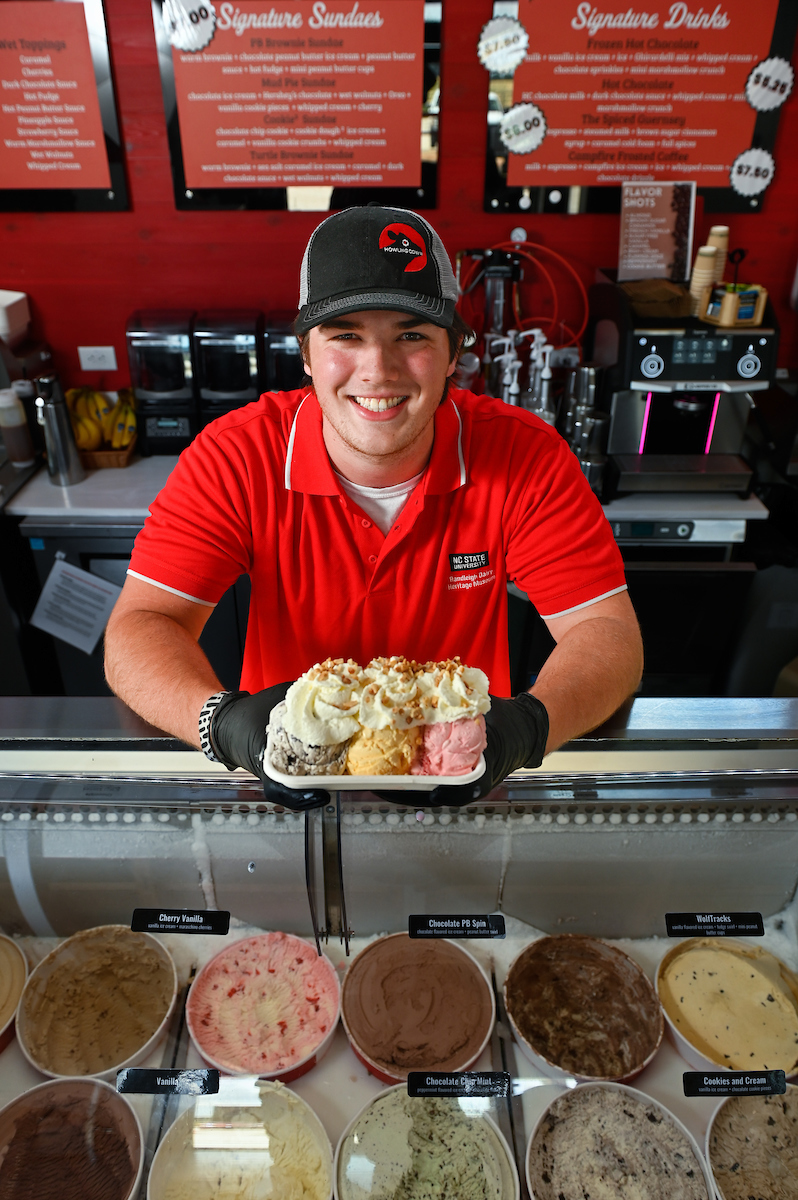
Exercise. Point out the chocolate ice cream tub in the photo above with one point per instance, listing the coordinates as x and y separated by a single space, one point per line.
580 1008
13 973
70 1139
97 1003
752 1147
266 1006
414 1005
253 1138
729 1004
418 1147
612 1141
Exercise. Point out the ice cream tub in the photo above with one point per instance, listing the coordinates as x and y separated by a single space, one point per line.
610 1140
728 1004
253 1138
421 1147
99 1002
70 1139
13 973
582 1009
752 1149
413 1005
267 1006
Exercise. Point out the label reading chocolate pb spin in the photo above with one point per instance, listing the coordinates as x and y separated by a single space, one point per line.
145 1081
692 924
180 920
734 1083
454 926
458 1083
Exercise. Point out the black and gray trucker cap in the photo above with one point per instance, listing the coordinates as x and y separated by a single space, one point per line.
372 257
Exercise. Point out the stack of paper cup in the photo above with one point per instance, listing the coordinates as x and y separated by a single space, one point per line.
703 274
719 238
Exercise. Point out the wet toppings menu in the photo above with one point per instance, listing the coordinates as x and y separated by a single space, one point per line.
654 91
320 93
51 130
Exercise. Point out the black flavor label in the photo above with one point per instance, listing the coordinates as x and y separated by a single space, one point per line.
740 924
458 1083
147 1082
468 562
179 920
453 926
734 1083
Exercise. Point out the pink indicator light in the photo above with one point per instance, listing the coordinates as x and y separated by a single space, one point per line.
712 422
644 430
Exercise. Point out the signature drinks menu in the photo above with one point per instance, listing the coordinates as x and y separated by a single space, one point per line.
307 93
647 90
51 133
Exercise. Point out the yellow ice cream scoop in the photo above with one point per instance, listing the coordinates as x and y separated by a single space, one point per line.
383 751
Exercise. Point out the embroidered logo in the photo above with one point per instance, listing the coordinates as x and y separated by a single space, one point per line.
403 239
468 562
470 571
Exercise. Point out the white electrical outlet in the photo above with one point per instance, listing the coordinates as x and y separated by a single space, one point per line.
97 358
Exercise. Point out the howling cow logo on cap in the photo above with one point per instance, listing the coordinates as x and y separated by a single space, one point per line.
403 239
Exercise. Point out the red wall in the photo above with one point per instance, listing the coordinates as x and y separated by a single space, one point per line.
85 274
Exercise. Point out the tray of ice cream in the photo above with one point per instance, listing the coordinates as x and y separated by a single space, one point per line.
392 724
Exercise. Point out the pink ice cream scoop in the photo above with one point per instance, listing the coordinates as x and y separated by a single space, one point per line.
451 747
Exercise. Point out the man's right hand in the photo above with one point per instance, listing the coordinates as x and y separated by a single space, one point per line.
238 739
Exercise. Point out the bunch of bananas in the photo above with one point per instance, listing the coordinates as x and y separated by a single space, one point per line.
97 420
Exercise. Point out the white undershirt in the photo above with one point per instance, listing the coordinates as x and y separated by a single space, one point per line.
383 505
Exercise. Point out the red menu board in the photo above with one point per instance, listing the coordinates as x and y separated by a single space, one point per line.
656 91
51 130
327 92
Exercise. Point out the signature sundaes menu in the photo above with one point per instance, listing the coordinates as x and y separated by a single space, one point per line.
51 132
325 93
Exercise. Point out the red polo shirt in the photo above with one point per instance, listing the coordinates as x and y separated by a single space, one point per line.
502 498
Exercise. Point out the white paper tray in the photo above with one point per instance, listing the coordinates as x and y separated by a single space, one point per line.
367 783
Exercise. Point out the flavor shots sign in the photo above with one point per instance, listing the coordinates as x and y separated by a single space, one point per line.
51 127
306 92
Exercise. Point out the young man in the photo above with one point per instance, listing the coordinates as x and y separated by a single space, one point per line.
377 511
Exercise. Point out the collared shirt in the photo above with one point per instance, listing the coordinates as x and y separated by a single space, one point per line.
502 499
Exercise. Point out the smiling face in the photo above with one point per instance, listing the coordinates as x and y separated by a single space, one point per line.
379 376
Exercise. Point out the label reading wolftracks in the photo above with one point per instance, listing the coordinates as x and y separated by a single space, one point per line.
145 1081
739 924
491 926
734 1083
179 920
458 1083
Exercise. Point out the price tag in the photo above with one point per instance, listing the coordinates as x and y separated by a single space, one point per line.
692 924
523 128
166 1082
752 171
180 920
189 24
734 1083
769 84
502 45
456 927
458 1083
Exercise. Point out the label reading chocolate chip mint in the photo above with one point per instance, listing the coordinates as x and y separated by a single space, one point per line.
458 1083
692 924
179 920
454 926
166 1082
734 1083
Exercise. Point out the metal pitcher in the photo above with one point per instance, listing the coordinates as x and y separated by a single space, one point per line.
63 461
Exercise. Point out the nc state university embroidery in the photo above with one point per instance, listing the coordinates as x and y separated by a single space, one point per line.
403 239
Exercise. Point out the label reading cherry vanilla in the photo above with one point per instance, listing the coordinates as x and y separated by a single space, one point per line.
180 920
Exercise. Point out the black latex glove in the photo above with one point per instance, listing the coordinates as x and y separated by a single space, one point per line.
517 731
238 739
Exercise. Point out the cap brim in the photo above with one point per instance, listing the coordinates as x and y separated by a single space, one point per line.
431 308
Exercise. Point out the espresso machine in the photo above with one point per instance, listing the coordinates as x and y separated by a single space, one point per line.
679 394
162 377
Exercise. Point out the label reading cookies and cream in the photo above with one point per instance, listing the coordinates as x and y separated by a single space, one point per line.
180 920
426 926
459 1083
734 1083
692 924
163 1081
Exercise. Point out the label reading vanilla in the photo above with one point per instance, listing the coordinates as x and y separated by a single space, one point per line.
180 920
145 1081
734 1083
459 1083
425 926
692 924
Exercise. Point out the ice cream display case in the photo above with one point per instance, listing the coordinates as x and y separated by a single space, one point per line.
160 984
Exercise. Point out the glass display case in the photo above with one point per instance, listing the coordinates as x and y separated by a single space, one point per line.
675 807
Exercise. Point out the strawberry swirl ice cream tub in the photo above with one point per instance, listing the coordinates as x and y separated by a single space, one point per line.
267 1006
